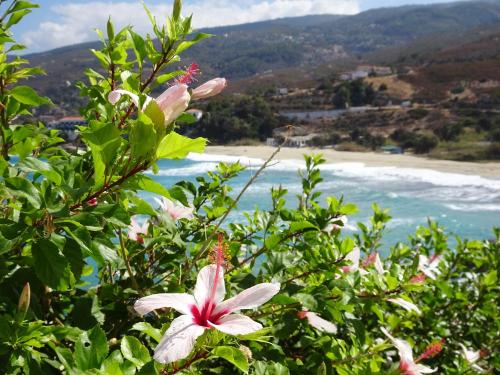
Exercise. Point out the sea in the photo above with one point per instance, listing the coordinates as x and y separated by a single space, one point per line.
465 205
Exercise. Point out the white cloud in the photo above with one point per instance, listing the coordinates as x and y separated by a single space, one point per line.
75 22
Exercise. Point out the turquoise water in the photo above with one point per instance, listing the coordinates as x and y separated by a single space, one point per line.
465 205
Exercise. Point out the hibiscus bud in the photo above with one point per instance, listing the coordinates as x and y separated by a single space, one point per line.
24 300
302 314
246 351
418 279
210 88
92 202
173 102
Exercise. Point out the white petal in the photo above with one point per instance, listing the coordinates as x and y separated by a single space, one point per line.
379 267
205 283
354 256
249 298
470 355
181 302
236 324
179 340
477 368
320 323
421 369
115 95
405 304
403 347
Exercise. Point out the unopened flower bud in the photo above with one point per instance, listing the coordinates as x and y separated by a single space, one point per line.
246 351
92 202
24 300
210 88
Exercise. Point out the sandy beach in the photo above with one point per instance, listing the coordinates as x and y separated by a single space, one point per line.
370 159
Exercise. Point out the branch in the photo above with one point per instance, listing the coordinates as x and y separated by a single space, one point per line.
126 260
138 168
233 205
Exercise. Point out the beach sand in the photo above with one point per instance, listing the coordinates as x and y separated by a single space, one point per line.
370 159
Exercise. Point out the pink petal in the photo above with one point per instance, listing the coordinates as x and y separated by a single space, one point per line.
205 283
181 302
249 298
236 324
178 341
170 95
320 324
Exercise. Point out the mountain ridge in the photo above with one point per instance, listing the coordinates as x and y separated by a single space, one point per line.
302 43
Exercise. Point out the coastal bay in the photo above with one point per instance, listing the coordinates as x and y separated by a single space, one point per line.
489 170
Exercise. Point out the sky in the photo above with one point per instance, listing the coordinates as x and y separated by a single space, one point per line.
64 22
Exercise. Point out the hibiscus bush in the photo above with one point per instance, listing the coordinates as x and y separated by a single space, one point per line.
97 279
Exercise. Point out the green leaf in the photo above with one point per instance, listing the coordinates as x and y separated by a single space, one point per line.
134 351
169 76
154 112
189 43
232 355
16 17
91 349
26 95
142 182
51 265
139 46
148 329
23 5
104 140
491 278
23 188
142 139
176 146
35 165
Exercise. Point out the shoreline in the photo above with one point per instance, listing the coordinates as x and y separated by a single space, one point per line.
489 170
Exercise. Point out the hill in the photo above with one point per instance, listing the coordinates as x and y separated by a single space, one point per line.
295 45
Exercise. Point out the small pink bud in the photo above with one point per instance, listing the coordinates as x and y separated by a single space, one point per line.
210 88
302 314
92 202
370 259
418 279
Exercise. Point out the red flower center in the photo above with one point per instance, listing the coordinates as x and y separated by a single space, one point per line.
207 313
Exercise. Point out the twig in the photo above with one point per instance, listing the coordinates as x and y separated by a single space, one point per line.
126 260
233 205
107 187
188 363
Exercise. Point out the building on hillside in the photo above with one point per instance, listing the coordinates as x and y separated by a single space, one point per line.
353 75
282 91
67 127
364 71
484 84
300 141
197 113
